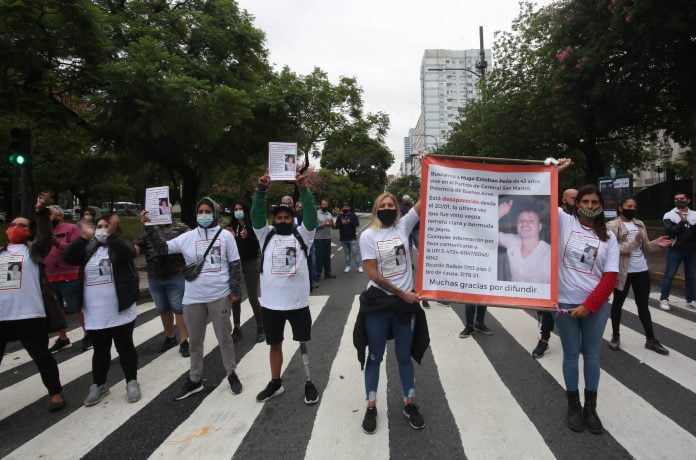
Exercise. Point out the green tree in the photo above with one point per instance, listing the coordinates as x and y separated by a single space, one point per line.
405 185
559 90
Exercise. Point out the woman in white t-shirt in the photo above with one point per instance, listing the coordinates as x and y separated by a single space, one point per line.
393 306
109 292
583 292
633 271
22 307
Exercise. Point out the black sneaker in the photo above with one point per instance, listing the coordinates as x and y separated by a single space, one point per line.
426 304
615 343
468 330
56 406
188 389
311 394
236 334
482 328
654 345
540 349
329 276
369 424
169 342
87 343
60 344
184 349
235 384
415 419
260 335
273 389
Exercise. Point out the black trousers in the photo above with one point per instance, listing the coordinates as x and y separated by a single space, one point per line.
323 251
546 319
33 335
640 282
122 337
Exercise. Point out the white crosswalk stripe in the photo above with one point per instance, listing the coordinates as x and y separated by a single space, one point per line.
485 415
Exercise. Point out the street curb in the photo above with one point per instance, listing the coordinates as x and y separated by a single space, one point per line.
676 281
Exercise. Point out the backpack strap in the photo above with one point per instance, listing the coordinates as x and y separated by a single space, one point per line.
269 235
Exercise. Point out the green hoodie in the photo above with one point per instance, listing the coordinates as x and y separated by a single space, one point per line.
309 209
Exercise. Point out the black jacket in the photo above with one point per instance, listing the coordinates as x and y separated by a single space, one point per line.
375 300
348 232
39 248
121 255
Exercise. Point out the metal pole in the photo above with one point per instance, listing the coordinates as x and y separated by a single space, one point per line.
15 193
482 64
23 195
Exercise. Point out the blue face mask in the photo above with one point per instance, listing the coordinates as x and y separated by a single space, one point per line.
204 220
239 215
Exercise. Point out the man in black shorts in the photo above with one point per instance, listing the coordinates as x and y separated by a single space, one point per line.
284 279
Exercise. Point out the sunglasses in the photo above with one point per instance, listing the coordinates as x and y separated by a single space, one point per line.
12 224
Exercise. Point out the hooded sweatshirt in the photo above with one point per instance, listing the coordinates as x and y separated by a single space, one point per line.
214 281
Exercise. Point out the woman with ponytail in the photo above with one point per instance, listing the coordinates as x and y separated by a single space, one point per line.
585 284
633 271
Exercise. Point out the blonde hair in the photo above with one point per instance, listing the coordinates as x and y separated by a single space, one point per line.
374 220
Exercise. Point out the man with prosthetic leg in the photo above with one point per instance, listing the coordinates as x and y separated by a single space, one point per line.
285 280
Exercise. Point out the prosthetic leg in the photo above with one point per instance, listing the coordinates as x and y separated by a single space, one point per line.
311 392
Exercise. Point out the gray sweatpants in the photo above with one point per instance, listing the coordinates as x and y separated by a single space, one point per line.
197 316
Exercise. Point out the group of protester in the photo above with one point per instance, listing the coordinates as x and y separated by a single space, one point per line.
195 277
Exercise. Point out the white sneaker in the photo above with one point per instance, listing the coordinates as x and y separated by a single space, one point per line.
133 391
346 270
691 304
360 270
664 305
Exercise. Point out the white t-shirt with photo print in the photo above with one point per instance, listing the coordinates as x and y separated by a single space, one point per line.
285 278
389 247
583 259
636 262
100 298
213 282
20 291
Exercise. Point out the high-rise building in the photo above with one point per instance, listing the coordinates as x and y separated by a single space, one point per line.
407 148
448 83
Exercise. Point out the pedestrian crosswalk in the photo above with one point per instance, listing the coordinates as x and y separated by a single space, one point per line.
482 397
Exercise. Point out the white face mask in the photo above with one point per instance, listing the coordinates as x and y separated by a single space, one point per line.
101 234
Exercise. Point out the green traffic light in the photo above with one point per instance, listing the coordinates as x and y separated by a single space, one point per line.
19 160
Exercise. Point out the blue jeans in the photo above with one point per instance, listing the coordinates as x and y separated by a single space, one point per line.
582 335
68 293
352 248
674 258
474 314
378 326
167 294
313 256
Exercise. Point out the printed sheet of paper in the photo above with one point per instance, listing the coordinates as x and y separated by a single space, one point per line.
489 234
282 160
158 206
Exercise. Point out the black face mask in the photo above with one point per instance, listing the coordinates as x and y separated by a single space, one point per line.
387 216
346 211
324 208
283 228
629 213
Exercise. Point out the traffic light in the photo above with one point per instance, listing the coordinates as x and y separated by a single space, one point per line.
20 147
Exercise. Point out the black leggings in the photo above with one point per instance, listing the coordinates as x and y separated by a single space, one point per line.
122 337
33 335
641 291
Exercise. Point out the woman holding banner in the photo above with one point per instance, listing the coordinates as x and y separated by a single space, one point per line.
633 271
389 306
583 292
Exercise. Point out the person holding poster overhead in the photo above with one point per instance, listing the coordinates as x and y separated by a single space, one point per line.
633 271
583 293
109 291
389 306
23 314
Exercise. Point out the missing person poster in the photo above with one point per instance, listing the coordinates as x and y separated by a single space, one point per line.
282 160
489 234
158 206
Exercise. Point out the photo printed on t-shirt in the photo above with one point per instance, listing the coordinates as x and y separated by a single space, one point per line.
284 257
392 256
213 261
581 252
98 271
11 271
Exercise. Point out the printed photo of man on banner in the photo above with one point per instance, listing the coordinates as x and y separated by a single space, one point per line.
489 233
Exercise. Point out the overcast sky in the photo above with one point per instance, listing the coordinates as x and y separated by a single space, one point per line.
380 42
